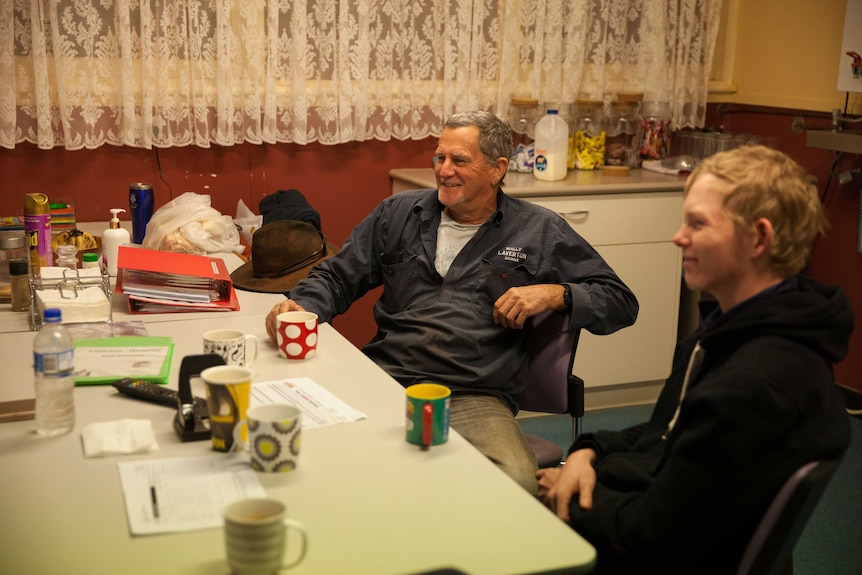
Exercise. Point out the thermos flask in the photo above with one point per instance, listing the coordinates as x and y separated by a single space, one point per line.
141 207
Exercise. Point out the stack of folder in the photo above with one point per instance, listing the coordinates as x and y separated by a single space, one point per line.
161 282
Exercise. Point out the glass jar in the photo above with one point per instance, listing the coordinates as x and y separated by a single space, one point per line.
655 130
523 115
67 256
624 132
19 278
587 136
12 246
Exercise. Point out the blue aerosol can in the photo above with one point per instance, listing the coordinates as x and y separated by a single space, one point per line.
141 204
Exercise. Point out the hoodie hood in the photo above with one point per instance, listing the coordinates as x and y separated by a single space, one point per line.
812 314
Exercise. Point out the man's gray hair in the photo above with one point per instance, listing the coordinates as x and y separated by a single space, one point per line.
495 138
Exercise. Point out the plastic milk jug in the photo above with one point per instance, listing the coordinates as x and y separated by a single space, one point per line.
552 145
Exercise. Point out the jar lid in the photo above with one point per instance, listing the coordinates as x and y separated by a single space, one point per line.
90 257
629 97
11 242
521 102
18 267
589 104
67 250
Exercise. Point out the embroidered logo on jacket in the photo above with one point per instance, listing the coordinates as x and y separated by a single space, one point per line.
513 254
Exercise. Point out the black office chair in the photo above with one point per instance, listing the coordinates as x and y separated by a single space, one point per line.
551 387
770 550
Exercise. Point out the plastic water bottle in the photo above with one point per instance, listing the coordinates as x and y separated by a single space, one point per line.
552 147
53 361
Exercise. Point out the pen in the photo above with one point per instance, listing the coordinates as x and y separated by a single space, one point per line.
154 501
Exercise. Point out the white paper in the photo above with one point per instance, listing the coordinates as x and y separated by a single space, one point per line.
118 437
318 405
141 361
852 43
185 493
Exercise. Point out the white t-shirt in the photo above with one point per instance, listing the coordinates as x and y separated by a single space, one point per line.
451 237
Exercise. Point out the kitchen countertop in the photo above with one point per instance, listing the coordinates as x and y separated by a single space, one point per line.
577 182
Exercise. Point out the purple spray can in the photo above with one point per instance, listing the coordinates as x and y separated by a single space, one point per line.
141 204
37 223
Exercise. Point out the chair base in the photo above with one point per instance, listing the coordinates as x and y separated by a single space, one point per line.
548 453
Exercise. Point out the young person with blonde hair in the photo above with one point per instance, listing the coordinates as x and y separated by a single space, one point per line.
750 397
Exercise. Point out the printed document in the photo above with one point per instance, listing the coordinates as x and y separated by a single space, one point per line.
184 493
318 405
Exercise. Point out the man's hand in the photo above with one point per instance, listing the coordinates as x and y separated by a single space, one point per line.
286 305
557 486
519 303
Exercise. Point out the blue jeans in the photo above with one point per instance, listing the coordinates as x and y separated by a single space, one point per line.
488 424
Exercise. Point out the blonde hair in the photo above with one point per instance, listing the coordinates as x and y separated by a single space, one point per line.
766 183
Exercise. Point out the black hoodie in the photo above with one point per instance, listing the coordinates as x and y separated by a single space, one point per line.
684 495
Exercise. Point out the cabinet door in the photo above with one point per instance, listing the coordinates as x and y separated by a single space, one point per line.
643 351
633 233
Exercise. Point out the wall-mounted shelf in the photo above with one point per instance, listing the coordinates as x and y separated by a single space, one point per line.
846 141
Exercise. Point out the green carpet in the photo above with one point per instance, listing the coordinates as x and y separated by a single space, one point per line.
832 541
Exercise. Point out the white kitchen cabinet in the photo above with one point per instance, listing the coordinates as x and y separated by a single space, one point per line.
630 221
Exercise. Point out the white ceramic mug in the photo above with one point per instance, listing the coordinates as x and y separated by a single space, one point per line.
255 534
274 437
235 347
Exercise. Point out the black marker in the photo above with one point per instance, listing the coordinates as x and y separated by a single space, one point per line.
154 501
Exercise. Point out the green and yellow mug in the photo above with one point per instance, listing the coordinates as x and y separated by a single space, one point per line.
428 414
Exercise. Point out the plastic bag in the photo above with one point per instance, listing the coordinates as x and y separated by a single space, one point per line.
189 224
247 222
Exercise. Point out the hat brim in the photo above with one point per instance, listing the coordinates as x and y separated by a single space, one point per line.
243 276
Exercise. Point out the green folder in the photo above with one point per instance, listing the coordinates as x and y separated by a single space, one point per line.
105 360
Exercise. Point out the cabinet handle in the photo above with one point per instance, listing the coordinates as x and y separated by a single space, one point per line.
576 213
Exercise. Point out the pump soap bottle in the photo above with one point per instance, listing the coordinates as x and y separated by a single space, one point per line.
112 239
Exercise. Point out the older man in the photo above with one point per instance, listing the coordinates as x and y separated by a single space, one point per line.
464 268
750 397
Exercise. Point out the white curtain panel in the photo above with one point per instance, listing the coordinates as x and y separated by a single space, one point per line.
84 73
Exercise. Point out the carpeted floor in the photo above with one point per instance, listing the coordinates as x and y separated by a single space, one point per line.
832 541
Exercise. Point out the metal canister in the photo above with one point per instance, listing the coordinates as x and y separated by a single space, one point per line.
141 204
37 223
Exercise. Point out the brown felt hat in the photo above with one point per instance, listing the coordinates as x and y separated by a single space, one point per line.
282 253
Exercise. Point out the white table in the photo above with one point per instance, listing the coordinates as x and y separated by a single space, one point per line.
371 502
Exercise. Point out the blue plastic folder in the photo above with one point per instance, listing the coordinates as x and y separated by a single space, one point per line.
105 360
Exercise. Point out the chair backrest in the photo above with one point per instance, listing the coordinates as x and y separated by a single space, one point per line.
769 551
552 355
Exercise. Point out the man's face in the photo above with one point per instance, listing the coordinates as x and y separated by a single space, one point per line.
715 256
465 181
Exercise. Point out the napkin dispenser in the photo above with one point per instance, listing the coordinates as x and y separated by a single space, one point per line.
192 421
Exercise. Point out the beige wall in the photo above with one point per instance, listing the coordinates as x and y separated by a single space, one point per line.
787 55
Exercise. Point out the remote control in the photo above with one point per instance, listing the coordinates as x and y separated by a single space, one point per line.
149 391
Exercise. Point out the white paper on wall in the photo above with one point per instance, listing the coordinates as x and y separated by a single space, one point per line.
852 43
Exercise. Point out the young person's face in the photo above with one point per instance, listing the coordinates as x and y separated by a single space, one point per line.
716 257
465 182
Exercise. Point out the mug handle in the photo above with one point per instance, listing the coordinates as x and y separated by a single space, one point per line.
238 443
427 424
299 527
251 341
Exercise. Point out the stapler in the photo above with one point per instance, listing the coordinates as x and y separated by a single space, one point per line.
192 421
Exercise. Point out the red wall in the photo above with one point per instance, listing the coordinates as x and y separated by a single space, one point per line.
345 182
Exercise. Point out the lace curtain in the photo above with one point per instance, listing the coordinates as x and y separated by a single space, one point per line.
143 73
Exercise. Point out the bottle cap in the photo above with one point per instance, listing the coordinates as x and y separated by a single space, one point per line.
90 257
18 267
115 220
53 314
